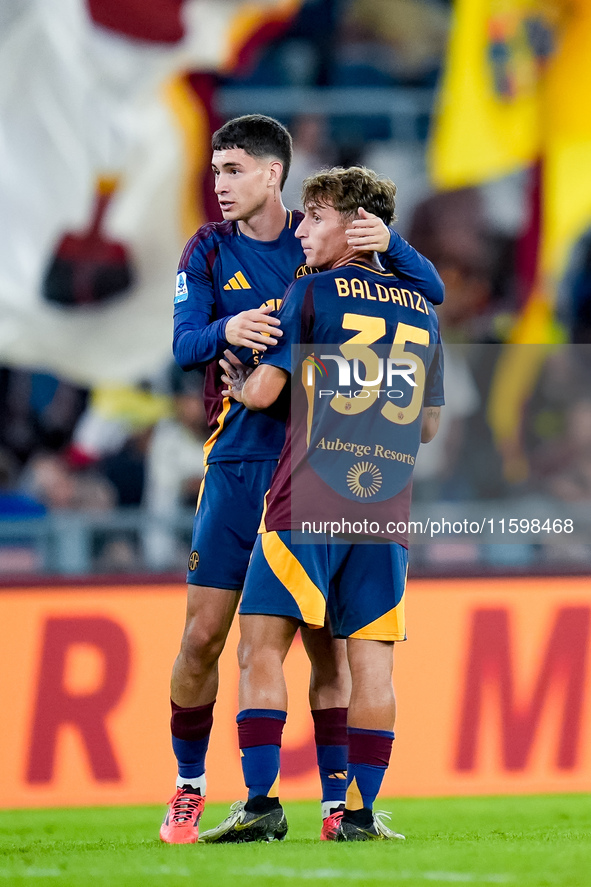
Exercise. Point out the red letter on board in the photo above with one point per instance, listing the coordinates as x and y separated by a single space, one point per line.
490 665
56 706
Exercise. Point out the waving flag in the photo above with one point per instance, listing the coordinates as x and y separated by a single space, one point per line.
566 141
515 94
515 91
106 110
488 119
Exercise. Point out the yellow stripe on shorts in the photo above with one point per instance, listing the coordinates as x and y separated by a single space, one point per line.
390 626
292 575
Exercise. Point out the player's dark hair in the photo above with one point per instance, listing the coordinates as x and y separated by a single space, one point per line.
259 136
348 189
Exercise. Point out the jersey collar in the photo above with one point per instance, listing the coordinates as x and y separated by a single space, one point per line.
264 246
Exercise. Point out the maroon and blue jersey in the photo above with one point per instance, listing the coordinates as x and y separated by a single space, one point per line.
223 272
363 349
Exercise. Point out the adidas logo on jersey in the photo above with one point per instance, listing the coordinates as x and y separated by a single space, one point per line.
238 282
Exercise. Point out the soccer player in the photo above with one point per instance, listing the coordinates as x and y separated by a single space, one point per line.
232 274
367 388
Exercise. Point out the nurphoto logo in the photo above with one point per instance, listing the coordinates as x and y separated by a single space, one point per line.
388 368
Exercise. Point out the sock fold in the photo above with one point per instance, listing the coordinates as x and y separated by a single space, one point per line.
191 723
191 729
330 735
369 756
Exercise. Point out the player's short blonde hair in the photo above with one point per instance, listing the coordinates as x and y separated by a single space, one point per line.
348 189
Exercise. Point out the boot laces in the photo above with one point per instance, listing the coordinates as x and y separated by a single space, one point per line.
185 806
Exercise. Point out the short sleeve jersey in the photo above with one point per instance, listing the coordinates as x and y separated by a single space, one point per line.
364 352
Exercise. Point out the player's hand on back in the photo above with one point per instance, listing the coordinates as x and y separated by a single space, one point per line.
235 375
253 329
368 233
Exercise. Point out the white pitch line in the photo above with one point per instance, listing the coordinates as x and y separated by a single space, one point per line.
270 871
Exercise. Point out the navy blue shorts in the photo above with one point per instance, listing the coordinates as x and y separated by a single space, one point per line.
226 523
360 585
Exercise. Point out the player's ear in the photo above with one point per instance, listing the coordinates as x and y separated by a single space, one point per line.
275 173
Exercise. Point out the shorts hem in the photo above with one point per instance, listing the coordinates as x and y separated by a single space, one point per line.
378 636
302 619
242 457
256 611
212 585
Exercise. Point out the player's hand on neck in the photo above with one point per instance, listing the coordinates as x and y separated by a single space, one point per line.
366 235
368 232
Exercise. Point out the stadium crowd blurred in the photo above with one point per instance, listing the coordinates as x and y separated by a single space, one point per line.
66 448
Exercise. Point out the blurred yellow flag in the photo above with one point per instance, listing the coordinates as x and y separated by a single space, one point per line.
517 88
566 141
488 119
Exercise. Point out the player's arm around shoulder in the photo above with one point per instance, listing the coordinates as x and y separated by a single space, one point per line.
369 233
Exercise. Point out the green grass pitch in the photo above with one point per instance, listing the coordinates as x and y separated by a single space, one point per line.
516 841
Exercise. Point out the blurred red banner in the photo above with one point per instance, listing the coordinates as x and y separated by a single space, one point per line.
493 690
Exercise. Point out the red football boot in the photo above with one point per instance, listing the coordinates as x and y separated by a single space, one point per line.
330 825
181 823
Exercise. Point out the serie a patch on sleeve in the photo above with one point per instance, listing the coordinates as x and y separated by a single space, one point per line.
182 292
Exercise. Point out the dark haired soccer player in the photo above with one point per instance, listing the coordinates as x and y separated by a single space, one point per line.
349 454
232 274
